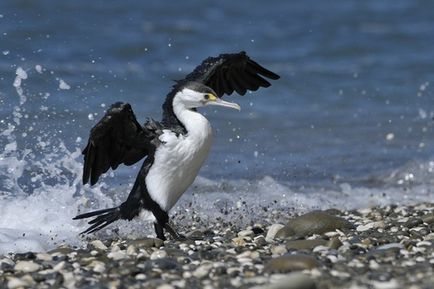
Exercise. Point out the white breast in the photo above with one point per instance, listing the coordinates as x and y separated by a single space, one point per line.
178 160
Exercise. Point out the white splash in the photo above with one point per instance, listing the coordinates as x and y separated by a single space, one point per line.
38 68
36 215
21 75
63 85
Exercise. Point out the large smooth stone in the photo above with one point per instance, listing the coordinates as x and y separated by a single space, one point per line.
290 263
316 222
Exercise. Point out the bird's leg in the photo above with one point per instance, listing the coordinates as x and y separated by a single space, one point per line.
174 233
163 223
159 231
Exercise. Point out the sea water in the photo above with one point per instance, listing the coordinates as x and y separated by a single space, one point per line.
348 125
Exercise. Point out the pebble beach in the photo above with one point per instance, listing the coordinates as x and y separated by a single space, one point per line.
381 247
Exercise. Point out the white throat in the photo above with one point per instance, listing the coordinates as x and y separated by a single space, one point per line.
194 122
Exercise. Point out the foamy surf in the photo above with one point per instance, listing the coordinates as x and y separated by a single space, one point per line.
43 220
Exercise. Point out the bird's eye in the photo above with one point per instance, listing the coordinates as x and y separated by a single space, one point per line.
206 96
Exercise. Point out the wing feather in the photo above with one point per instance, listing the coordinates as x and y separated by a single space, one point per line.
227 73
239 86
116 139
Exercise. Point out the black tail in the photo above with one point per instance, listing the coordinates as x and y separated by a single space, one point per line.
104 218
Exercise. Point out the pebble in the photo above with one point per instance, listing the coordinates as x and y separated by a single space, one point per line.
117 255
202 270
239 241
428 218
334 243
278 250
7 261
15 283
26 266
391 246
195 235
272 231
369 226
59 266
140 276
413 222
158 254
97 266
97 244
424 243
260 241
245 233
395 249
131 250
44 257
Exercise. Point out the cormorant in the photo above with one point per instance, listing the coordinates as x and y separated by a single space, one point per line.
175 148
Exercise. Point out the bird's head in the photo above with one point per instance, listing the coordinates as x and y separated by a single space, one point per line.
195 94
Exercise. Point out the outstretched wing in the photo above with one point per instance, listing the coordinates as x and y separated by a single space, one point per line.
116 139
227 73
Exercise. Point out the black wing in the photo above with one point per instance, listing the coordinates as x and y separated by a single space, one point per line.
227 73
116 139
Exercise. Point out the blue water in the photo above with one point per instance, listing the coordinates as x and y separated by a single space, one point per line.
353 110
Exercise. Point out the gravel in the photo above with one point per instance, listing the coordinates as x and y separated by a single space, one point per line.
381 247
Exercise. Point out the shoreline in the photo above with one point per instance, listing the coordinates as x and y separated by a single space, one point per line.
380 247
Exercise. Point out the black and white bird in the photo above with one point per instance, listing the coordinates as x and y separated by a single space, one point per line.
175 148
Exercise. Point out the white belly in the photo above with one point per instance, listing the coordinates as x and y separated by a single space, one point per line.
176 164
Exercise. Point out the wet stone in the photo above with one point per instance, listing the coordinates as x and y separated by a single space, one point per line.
245 233
195 235
260 241
163 264
62 250
98 244
158 254
15 283
414 222
272 231
25 256
316 222
391 249
370 226
146 243
26 266
290 263
334 243
428 218
5 267
44 257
